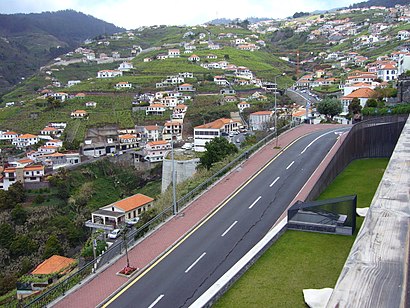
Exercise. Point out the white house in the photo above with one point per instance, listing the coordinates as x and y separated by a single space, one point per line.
156 150
243 105
123 85
91 104
362 94
260 120
26 174
60 96
172 131
206 132
108 73
79 114
26 140
116 214
221 80
174 53
8 135
194 58
155 109
186 87
125 66
387 72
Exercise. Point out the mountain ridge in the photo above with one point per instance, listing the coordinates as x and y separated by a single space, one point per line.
28 41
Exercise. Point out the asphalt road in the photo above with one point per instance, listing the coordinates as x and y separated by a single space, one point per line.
188 270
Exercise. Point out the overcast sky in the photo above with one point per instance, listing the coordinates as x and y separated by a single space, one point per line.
131 14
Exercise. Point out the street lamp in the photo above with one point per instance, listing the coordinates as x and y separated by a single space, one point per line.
276 114
174 202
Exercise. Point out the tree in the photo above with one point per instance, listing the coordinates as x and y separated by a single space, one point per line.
329 107
52 247
216 150
355 107
19 215
17 192
22 246
371 102
6 235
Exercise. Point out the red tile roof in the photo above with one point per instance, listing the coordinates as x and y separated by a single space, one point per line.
360 93
217 124
54 264
27 136
133 202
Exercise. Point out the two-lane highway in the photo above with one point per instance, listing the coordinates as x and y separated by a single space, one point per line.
179 277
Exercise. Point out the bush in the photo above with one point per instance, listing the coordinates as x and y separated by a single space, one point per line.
39 199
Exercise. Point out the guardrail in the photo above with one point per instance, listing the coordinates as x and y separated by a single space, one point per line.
132 236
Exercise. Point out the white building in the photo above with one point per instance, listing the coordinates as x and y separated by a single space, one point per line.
156 150
261 120
109 73
206 132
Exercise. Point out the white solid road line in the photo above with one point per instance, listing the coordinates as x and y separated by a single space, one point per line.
196 261
227 230
273 183
290 165
254 202
317 138
156 301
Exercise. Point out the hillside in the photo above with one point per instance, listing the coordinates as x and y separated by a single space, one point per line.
29 41
386 3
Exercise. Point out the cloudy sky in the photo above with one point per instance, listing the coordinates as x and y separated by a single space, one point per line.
131 14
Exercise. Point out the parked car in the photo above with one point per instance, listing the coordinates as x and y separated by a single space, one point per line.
114 233
132 221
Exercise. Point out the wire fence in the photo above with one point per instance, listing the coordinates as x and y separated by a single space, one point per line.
59 289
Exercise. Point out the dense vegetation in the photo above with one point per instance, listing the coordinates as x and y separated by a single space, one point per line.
31 40
37 224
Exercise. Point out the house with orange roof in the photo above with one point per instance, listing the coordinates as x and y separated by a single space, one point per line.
187 87
8 135
79 114
24 174
155 151
50 270
261 120
194 58
243 105
387 72
128 141
54 160
115 215
26 140
349 88
47 149
363 94
148 132
49 130
174 53
178 113
123 85
172 131
155 109
208 131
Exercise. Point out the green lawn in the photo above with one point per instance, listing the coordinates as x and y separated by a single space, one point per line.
301 260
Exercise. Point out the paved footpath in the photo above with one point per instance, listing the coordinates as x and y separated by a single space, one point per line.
104 283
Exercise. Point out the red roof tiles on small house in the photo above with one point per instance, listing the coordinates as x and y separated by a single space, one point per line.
133 202
54 264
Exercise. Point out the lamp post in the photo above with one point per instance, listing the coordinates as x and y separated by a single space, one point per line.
174 202
276 111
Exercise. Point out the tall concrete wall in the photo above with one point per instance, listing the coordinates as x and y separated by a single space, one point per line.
184 169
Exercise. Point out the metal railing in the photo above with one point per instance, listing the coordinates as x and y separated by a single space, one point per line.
132 236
